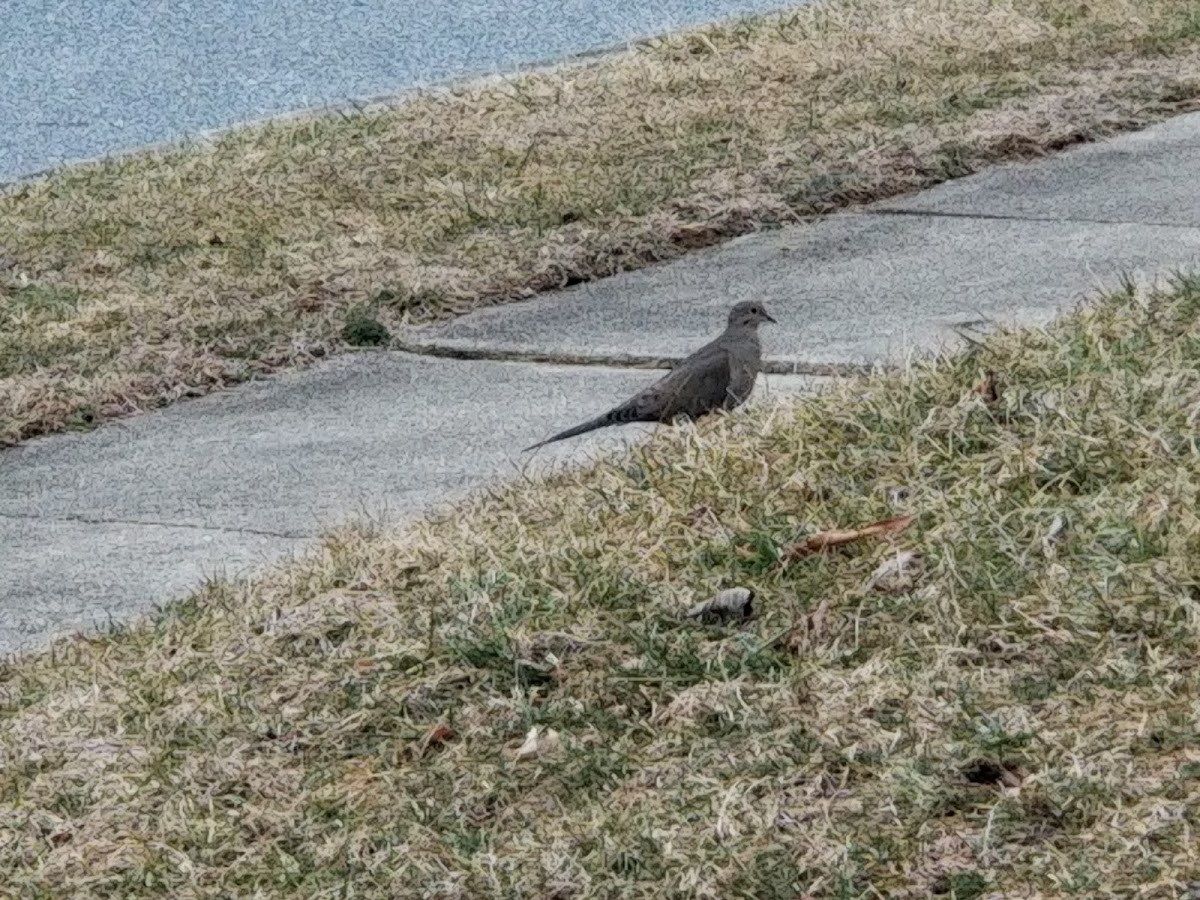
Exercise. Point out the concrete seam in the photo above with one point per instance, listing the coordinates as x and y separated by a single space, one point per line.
1003 217
620 360
91 520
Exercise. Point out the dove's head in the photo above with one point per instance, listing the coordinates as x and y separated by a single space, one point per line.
748 314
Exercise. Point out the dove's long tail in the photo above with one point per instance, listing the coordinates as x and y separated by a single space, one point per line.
618 416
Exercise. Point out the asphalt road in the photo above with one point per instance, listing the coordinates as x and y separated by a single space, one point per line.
84 78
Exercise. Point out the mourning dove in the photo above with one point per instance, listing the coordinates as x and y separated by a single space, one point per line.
721 374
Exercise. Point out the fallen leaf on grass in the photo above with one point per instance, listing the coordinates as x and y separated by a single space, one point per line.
731 603
825 540
1053 537
896 574
439 735
435 740
988 388
537 744
805 633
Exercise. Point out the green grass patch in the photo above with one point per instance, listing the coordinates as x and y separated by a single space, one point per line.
509 701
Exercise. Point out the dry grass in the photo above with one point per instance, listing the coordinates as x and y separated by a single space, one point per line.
1019 716
134 283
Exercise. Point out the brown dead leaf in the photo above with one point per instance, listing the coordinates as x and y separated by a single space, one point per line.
988 388
439 734
816 618
808 631
826 540
434 740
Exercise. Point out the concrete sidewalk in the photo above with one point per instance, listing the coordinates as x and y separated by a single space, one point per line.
109 523
1016 244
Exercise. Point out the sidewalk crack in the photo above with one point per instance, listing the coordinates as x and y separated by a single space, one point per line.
148 523
616 361
1012 217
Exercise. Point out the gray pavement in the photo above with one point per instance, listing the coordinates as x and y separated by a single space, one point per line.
1016 244
112 522
77 574
101 525
84 78
1144 178
854 289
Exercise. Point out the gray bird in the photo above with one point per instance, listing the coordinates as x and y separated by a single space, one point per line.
721 374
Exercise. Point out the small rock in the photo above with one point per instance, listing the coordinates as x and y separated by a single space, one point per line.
1054 537
731 603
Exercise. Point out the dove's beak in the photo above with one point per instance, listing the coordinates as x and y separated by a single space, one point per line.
767 316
